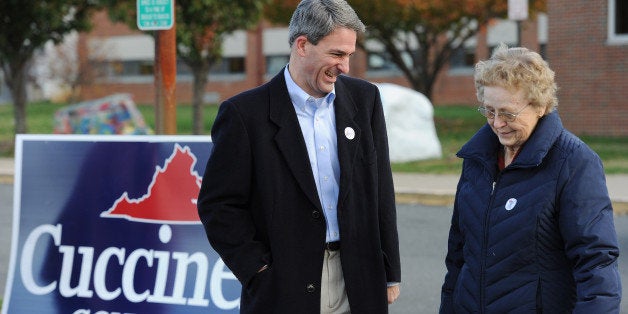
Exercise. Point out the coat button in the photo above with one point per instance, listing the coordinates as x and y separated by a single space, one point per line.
310 288
316 214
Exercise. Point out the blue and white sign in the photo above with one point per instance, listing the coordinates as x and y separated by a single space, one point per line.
108 224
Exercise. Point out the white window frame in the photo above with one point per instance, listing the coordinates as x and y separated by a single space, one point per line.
613 37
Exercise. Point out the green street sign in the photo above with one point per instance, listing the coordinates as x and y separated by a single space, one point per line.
155 14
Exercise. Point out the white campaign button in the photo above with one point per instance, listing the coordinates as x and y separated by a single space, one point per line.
510 204
349 133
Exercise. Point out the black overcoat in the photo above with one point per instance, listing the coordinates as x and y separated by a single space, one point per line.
259 205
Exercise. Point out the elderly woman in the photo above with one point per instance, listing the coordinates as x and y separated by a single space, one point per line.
532 228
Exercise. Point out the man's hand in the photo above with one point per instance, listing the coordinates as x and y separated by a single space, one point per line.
393 293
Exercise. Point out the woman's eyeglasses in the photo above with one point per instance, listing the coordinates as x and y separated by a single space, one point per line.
506 116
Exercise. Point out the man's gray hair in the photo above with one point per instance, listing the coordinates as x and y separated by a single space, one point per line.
318 18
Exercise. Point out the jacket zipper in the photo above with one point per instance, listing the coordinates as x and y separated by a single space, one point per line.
485 243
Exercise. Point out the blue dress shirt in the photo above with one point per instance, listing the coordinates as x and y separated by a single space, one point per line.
318 125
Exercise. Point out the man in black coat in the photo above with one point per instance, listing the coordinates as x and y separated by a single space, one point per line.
297 197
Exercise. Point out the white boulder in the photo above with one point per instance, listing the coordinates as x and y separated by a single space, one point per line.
410 124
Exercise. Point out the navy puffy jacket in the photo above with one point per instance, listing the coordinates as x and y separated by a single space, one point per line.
537 237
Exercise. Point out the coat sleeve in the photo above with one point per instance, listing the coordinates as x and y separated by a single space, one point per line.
387 209
224 205
588 230
453 261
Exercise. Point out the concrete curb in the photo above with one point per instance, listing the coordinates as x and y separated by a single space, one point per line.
619 208
440 190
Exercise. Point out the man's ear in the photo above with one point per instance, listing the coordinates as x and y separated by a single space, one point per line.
300 45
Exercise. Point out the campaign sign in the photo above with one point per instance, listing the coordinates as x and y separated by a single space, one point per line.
108 224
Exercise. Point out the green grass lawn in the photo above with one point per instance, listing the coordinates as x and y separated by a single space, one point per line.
454 126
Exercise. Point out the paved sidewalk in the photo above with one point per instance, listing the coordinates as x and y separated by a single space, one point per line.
434 189
429 189
6 170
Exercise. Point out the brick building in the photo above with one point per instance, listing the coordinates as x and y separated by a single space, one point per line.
588 49
123 62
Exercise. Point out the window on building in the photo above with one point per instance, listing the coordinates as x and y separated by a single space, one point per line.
380 61
543 51
119 68
462 58
618 21
621 17
274 64
222 67
183 69
377 61
132 68
140 69
228 65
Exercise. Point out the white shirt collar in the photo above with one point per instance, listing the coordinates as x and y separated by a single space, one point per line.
298 96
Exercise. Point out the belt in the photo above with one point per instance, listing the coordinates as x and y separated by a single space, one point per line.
332 246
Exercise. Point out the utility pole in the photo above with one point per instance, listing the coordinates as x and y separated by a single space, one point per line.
159 16
165 81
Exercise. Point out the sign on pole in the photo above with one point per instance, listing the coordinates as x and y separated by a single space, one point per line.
518 10
155 14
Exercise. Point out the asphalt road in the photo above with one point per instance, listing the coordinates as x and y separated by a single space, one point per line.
6 220
423 241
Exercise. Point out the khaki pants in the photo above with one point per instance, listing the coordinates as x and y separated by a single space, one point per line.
333 294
